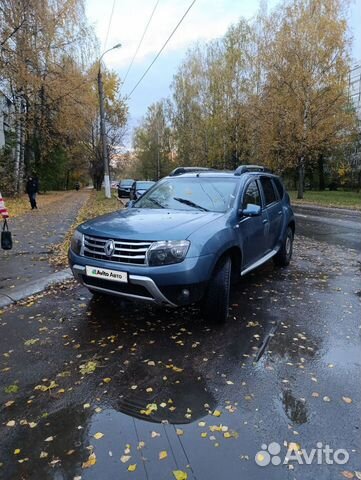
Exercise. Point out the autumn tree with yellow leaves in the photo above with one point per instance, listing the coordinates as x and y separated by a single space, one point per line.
272 91
47 57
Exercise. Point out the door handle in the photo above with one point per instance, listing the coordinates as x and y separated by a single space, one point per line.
265 220
280 212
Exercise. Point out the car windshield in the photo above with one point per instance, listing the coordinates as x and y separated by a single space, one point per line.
126 183
144 185
196 193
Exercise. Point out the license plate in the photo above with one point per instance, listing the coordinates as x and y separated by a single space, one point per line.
106 274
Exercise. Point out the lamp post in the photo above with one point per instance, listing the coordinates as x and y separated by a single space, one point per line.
102 124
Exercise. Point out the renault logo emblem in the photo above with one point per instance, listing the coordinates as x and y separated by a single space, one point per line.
109 248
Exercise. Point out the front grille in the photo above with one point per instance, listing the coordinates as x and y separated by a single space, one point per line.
126 251
129 288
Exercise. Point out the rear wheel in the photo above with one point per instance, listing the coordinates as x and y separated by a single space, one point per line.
284 255
215 302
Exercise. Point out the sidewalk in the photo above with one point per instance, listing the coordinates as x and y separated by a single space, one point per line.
34 233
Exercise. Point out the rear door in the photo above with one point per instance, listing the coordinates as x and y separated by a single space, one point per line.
273 208
252 230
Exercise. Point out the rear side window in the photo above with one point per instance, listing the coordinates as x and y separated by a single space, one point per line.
279 186
268 190
251 195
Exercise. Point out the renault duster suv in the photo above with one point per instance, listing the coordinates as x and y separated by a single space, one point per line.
187 239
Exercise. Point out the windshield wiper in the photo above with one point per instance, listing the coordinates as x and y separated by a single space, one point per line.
156 202
190 203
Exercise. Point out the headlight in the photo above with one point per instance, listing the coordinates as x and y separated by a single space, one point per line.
167 252
76 242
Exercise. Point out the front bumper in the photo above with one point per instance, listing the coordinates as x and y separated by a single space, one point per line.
173 285
149 286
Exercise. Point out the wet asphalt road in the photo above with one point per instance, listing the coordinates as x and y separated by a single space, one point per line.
285 369
334 226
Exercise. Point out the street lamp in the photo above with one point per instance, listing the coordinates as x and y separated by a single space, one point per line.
102 124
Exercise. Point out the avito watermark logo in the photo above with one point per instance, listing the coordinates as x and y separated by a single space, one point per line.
321 455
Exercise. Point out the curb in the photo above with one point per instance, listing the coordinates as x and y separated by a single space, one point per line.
10 296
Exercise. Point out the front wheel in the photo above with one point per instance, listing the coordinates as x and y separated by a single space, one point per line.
284 255
215 302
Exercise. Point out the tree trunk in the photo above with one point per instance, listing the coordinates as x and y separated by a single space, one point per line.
17 144
301 178
321 172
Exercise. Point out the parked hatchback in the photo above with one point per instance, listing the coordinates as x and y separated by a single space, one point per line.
187 239
124 187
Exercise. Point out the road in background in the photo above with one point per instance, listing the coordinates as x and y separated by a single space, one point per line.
334 226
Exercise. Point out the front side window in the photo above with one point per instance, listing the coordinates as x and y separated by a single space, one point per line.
268 190
251 195
195 193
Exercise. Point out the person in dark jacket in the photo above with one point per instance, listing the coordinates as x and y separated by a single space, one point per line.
32 188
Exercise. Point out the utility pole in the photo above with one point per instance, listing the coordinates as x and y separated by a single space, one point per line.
102 125
103 135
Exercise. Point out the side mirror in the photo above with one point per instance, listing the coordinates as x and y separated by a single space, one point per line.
251 210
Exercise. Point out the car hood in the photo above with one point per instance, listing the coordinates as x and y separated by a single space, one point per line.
148 224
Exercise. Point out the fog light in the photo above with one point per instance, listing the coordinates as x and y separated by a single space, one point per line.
185 293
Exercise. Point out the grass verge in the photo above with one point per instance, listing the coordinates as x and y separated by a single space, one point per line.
326 198
96 205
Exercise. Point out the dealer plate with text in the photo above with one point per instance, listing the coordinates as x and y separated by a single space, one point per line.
106 274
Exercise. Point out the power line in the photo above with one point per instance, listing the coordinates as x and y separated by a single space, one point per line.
161 50
109 24
140 42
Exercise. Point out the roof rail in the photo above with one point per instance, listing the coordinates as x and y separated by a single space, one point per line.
182 170
251 168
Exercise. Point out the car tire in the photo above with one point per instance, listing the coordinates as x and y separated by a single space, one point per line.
215 302
284 255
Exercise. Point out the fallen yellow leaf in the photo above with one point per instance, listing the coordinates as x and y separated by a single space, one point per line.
92 460
163 454
180 475
98 435
125 458
347 399
107 380
132 468
217 413
294 446
17 451
11 423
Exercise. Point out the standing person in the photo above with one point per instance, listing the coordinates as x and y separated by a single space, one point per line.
3 210
32 188
6 240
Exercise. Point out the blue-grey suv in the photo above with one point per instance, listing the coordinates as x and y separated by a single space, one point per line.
187 239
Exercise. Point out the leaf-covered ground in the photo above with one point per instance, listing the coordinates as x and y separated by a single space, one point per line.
106 389
34 235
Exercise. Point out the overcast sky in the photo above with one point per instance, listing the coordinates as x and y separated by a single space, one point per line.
206 20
